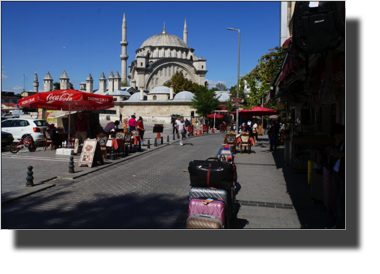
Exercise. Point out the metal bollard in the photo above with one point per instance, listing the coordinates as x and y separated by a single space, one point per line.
155 142
168 138
148 143
71 165
29 178
126 148
162 140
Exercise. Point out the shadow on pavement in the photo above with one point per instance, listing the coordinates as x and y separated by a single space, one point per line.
312 215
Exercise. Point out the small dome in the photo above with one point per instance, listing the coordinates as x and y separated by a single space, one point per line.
136 97
160 90
120 93
183 96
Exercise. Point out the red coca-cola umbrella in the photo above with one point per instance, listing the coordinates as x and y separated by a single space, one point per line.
256 111
215 115
67 100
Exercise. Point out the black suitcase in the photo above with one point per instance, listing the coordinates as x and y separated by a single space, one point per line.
211 173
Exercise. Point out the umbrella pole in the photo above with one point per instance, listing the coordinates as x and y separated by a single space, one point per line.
214 120
68 136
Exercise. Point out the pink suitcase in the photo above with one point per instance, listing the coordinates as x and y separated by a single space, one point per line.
203 221
215 208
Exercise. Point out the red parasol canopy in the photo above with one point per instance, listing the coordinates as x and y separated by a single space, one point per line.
67 99
215 115
256 111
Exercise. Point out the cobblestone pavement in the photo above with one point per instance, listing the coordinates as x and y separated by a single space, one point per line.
151 192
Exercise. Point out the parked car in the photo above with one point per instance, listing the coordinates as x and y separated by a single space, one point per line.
20 126
6 138
10 115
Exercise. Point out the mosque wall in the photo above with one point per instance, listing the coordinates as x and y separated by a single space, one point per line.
154 112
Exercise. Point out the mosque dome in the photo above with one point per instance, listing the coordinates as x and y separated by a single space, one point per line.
160 90
136 97
164 40
183 96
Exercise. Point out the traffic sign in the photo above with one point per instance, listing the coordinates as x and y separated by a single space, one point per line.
235 105
237 100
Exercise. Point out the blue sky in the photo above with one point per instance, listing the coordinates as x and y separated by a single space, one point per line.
84 37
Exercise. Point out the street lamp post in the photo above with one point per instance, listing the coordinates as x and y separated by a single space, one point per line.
24 82
238 76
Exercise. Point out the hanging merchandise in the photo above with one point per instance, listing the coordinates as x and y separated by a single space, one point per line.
317 26
328 93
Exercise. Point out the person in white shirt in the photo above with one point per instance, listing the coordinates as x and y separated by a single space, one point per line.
181 130
254 131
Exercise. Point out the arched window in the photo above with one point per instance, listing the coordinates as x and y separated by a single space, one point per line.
154 97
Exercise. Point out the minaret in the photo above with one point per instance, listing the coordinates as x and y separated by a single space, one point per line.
35 82
89 84
185 33
64 80
48 82
102 84
124 56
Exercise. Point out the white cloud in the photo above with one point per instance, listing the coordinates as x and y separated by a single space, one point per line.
212 84
16 88
3 76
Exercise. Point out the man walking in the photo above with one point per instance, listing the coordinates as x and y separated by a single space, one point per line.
80 130
181 130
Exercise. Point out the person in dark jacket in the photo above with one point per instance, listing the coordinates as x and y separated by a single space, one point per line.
337 132
273 133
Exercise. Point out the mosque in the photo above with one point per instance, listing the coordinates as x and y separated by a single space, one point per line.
156 61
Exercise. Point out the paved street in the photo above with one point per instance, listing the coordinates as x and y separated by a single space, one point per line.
150 191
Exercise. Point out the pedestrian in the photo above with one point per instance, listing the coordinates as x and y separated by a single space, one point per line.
187 124
273 132
337 132
175 130
81 128
255 131
132 123
111 126
141 129
181 129
249 123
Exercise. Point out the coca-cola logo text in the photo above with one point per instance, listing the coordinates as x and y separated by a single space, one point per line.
98 99
27 101
63 97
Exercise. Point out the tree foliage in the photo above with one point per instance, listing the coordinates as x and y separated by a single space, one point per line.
180 83
221 86
204 101
262 77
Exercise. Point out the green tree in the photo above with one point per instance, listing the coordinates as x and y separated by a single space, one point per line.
180 83
205 100
262 76
221 86
233 94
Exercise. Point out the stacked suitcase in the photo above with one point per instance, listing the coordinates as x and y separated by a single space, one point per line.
212 193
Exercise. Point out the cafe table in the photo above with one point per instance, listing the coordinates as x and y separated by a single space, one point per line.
117 144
